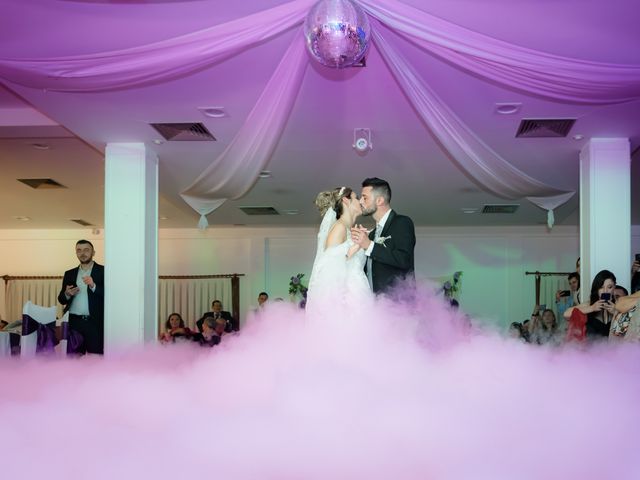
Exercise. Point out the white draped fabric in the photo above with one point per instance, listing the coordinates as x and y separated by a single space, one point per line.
39 291
191 297
470 153
530 71
234 172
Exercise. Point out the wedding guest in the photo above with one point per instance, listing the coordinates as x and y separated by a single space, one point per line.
82 295
3 324
515 331
208 336
546 331
568 298
635 275
626 323
217 312
619 291
175 328
262 299
592 320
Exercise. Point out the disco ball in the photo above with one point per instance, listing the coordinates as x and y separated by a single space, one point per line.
337 32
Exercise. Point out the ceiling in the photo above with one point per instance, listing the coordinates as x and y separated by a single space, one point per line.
315 152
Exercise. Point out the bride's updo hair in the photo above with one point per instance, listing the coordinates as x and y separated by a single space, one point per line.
332 199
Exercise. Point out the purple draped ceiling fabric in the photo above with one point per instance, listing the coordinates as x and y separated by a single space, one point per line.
158 61
235 171
533 72
470 153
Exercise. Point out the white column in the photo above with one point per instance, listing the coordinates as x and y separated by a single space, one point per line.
131 246
605 210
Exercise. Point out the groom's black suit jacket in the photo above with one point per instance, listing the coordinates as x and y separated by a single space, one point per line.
394 260
96 298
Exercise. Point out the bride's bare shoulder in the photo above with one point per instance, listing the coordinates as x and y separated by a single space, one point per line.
337 235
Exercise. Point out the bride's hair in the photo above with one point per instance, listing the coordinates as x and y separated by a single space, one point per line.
332 199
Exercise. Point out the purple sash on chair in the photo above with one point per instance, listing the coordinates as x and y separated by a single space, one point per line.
74 339
45 336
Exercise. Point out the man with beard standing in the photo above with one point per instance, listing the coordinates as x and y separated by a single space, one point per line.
390 246
82 294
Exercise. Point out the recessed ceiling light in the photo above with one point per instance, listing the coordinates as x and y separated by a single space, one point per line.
290 212
469 210
157 141
41 146
21 218
507 108
265 174
578 136
164 218
213 112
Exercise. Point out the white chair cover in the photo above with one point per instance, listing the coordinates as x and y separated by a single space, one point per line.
42 315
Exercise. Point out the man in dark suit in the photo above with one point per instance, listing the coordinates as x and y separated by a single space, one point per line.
82 295
216 313
390 246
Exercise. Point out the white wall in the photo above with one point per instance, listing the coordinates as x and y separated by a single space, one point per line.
493 259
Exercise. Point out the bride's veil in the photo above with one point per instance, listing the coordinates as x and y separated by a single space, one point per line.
327 222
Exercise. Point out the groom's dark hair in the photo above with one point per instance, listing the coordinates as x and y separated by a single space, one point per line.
380 188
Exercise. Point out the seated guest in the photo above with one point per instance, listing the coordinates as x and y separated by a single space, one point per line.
546 329
526 330
568 298
515 331
262 299
217 312
3 324
619 291
209 337
174 328
592 320
635 275
626 323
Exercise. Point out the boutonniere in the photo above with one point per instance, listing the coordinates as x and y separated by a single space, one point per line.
381 240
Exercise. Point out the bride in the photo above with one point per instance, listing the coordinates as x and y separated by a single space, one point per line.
338 282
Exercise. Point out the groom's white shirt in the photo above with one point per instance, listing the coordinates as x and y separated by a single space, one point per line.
382 221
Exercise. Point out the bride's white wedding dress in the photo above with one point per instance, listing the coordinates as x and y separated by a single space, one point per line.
338 284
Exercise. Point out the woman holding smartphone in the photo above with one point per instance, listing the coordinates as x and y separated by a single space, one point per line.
592 320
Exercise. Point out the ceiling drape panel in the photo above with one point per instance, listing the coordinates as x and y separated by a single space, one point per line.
235 171
530 71
155 62
471 154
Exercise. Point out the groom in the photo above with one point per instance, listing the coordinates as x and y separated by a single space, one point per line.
390 247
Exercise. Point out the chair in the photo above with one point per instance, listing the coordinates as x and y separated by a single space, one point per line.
5 344
38 330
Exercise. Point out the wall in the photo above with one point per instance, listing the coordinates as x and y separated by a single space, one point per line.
493 259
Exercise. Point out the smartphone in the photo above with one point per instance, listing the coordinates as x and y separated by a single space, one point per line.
606 297
565 293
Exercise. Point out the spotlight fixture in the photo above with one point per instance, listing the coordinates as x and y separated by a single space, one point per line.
265 174
362 140
578 136
21 218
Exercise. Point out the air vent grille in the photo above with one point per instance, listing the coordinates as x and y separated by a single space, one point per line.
184 132
544 128
500 208
41 183
84 223
259 210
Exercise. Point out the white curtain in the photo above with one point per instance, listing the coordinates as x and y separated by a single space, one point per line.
191 298
43 292
549 285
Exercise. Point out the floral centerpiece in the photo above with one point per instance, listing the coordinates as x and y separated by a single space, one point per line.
296 287
451 288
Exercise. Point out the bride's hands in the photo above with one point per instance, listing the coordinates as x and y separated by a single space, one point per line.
360 236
